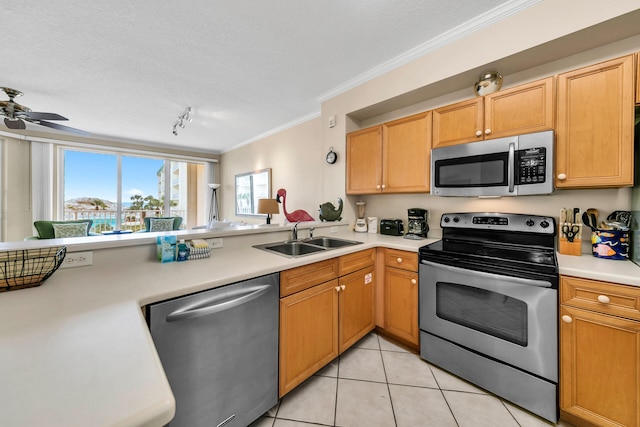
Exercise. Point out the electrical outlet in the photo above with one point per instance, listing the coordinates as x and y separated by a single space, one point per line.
215 243
77 259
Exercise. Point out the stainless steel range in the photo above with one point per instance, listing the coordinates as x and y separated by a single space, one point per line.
488 305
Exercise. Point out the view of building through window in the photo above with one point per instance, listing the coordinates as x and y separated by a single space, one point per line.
118 192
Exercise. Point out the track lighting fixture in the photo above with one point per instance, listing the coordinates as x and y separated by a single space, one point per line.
182 120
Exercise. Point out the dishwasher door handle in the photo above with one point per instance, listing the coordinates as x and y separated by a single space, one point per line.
191 313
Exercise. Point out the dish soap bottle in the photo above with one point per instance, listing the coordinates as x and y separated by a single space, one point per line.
183 251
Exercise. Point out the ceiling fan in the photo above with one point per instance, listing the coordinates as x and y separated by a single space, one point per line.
15 115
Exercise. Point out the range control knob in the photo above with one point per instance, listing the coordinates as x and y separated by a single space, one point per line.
446 219
456 219
544 224
530 223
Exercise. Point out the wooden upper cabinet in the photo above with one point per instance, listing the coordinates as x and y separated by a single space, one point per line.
594 133
458 123
522 109
364 161
406 154
638 78
526 108
390 158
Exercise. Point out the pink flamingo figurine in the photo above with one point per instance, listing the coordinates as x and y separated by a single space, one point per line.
295 216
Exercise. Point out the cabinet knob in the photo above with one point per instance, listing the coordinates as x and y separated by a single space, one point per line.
479 133
342 287
399 260
562 176
378 186
383 186
604 299
414 281
337 288
487 131
567 319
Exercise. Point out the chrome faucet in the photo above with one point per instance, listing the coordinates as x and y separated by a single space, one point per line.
294 231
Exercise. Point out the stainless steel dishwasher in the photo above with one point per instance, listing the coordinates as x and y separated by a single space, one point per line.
219 350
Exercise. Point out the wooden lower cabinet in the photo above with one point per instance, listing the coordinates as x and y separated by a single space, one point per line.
401 304
599 356
323 320
401 296
308 333
356 306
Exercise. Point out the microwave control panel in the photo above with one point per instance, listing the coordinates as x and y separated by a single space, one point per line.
531 165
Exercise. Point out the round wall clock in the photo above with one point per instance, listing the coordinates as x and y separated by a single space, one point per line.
331 156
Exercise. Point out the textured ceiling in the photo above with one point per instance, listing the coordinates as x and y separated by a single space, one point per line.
126 69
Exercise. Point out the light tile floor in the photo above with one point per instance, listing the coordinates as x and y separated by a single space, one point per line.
377 383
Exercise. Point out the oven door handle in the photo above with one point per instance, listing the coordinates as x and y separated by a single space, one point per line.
518 280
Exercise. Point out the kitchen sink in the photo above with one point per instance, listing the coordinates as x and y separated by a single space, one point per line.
298 248
293 248
330 242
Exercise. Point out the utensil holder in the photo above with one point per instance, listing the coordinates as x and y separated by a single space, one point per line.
610 244
570 248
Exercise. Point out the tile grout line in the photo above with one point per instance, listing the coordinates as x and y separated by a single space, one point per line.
335 405
442 393
386 378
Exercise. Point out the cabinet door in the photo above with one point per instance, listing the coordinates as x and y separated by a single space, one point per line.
458 123
637 78
304 277
406 154
308 333
401 304
356 261
401 259
356 306
364 161
595 125
599 367
523 109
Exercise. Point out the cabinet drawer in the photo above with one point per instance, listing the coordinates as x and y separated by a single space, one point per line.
301 278
356 261
603 297
401 259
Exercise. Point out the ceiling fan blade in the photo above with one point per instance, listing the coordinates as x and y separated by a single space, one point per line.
62 128
34 115
14 123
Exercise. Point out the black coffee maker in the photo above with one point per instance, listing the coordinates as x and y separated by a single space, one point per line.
417 226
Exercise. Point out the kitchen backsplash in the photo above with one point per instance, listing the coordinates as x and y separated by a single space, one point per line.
396 205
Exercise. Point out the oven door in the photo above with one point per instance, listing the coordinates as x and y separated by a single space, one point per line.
506 318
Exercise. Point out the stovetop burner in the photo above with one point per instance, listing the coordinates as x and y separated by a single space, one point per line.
508 244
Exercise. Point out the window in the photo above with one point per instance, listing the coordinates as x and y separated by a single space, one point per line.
119 191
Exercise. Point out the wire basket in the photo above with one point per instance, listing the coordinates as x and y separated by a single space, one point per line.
29 267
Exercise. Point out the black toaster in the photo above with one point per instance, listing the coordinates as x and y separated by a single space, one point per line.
392 227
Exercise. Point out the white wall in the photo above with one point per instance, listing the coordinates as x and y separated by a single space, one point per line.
296 160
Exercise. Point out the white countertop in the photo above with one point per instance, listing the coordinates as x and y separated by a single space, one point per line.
76 351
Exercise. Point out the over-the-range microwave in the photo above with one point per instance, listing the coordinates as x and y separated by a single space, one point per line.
512 166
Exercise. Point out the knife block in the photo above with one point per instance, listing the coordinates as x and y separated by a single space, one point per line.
570 248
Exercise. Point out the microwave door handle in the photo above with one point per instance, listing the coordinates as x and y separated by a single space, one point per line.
511 167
